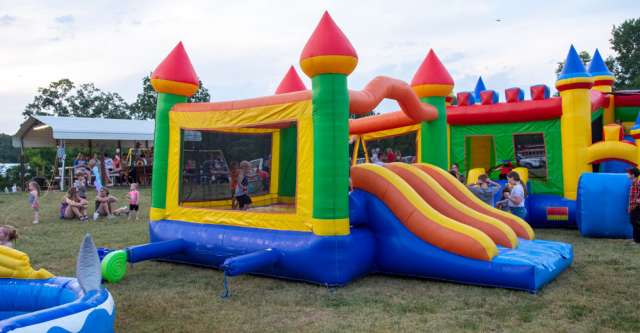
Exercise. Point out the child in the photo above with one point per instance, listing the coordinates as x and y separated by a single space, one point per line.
516 198
455 171
234 172
504 168
81 185
242 187
34 201
8 235
97 182
504 203
485 189
104 202
133 197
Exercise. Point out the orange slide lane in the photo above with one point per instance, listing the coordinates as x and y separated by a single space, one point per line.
438 198
462 194
381 87
419 217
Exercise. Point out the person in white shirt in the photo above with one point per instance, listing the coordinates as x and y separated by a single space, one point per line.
108 164
517 196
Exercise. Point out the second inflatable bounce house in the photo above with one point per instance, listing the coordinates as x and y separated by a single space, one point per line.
304 223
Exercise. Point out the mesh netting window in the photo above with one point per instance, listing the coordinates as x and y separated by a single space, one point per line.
531 153
400 148
210 164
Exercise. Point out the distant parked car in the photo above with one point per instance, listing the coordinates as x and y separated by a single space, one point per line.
532 162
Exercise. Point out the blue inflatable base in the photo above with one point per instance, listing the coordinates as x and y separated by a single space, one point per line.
529 267
54 305
378 243
539 209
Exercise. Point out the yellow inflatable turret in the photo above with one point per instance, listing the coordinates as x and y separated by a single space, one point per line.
15 264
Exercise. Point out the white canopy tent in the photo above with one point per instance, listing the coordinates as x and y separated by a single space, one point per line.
91 133
47 131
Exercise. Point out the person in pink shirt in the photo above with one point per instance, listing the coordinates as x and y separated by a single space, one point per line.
133 196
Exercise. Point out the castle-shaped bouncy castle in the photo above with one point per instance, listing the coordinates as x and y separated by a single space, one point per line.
320 213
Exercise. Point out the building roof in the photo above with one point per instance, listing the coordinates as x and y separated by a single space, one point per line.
43 131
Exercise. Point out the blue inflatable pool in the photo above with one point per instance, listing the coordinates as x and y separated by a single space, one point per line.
54 305
36 301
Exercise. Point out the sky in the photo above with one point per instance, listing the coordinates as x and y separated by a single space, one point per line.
241 49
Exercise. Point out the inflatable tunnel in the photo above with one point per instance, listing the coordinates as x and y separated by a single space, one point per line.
601 206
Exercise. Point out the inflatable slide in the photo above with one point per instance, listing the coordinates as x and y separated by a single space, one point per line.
427 224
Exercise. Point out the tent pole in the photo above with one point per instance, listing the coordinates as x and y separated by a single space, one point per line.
63 160
21 163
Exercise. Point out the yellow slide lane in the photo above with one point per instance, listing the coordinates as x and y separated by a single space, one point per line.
437 197
465 196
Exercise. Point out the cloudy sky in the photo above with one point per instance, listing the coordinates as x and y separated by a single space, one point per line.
242 49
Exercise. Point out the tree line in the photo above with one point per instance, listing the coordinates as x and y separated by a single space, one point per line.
64 98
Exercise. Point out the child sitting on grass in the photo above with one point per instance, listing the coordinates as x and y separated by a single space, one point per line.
133 197
104 204
8 235
34 201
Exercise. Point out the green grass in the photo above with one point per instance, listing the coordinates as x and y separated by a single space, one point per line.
599 293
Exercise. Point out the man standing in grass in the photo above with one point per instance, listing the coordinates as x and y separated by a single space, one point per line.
634 203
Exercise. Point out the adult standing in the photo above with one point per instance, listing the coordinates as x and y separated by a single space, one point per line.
634 203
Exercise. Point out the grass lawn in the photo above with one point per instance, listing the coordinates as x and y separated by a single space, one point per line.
599 293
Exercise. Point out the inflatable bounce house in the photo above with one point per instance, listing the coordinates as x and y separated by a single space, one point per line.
560 141
553 142
304 223
36 301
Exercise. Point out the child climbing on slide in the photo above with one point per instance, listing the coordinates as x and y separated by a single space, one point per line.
34 201
242 186
8 235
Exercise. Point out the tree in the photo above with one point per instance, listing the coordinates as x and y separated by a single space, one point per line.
8 154
145 105
51 100
625 40
62 98
201 96
584 56
92 102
